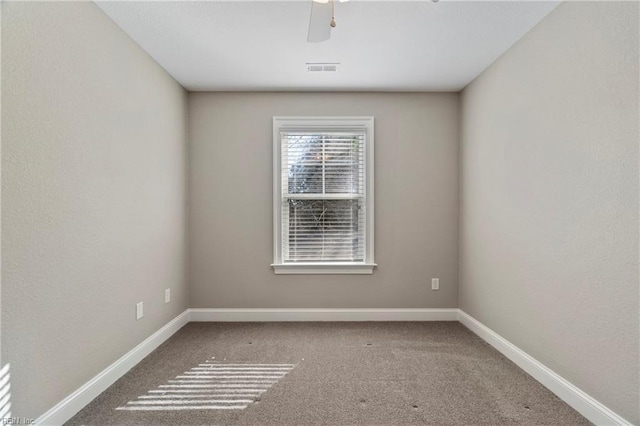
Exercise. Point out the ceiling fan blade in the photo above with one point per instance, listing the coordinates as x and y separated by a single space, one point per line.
319 23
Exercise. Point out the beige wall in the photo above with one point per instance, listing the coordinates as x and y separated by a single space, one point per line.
549 200
93 197
416 207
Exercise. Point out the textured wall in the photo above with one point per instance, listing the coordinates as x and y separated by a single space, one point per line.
231 213
549 200
93 197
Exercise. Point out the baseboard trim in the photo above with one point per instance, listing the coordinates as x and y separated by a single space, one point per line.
589 407
71 405
322 314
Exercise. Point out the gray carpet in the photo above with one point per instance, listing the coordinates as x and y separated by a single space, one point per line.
375 373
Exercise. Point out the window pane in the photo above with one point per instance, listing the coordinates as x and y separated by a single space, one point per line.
343 170
323 163
325 230
304 163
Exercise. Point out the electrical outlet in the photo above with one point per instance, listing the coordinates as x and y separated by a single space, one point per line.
139 310
167 295
435 283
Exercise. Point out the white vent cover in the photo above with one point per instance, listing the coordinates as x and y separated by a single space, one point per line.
322 66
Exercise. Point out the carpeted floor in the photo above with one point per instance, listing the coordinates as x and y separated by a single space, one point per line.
374 373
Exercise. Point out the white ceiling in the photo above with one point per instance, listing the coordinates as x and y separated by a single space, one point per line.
381 45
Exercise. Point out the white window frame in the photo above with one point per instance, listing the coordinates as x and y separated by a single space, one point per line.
323 124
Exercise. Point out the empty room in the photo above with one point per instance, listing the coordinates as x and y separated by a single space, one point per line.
320 212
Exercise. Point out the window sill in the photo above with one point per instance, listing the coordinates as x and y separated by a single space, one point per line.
323 268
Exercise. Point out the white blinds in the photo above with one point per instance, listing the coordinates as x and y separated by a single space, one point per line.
323 196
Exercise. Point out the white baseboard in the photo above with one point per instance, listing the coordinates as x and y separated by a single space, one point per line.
71 405
590 408
322 314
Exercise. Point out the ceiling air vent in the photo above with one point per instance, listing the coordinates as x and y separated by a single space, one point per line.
322 67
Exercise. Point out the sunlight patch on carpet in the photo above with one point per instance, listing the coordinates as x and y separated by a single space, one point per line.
212 386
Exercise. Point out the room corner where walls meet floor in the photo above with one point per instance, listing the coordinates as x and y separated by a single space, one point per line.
587 406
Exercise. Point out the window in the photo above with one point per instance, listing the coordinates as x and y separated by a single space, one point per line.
323 195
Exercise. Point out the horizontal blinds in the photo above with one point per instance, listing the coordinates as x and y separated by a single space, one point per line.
323 191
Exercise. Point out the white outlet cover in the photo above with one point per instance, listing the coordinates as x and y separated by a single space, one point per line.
167 295
435 284
139 310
